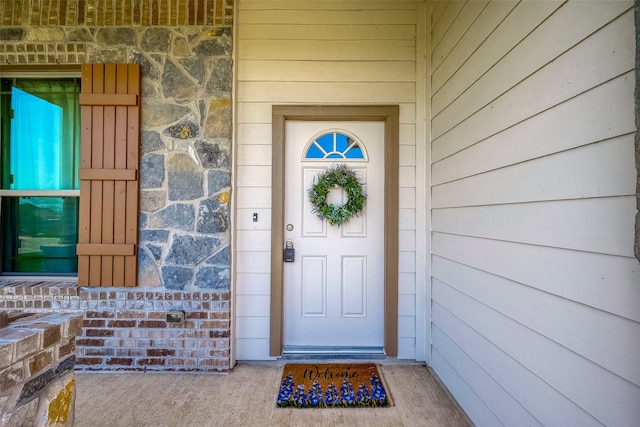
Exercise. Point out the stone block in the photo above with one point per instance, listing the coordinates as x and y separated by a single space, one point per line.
156 113
152 200
177 215
220 258
151 171
158 236
218 124
185 178
177 85
214 47
59 403
176 277
150 141
213 278
213 214
217 181
211 156
185 129
196 67
112 36
23 415
156 40
191 250
221 77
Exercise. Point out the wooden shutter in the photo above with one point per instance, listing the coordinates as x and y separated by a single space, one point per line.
109 159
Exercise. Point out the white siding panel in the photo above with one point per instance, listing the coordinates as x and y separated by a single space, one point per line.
506 408
299 92
253 262
604 282
253 176
252 349
605 111
595 225
329 5
474 407
255 133
545 403
407 283
522 20
445 21
331 50
253 240
603 169
601 57
464 20
253 113
603 338
253 284
472 39
580 20
406 348
297 15
253 155
252 197
574 377
306 71
326 32
252 305
252 327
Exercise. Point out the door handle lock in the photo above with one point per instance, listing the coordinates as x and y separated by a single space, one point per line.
289 251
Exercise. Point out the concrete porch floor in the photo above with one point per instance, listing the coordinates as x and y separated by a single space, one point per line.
246 397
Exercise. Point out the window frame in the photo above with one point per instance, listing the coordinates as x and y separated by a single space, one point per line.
44 72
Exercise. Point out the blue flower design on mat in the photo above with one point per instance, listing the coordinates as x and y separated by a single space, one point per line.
378 393
286 390
346 393
315 394
300 397
363 395
331 395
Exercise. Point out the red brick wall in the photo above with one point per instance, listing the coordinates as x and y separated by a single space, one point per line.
126 330
115 13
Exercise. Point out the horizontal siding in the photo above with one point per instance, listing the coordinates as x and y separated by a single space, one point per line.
602 57
473 38
600 225
547 133
604 282
590 171
535 287
317 52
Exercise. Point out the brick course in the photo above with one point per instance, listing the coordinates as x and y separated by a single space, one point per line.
126 329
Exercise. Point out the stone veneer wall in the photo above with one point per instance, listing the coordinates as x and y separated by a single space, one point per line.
37 385
184 48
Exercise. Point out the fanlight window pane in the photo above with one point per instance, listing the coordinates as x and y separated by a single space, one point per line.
334 145
39 234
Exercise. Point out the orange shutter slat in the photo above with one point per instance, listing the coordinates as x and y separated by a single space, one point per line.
109 160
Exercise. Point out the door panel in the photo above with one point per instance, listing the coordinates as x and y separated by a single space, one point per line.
333 294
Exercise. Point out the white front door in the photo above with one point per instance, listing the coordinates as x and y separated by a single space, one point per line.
333 294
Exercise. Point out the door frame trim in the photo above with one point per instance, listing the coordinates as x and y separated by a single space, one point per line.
390 115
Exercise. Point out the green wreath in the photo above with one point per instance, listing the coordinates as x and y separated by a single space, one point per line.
337 176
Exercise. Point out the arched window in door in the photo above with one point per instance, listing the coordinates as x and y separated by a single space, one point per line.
335 144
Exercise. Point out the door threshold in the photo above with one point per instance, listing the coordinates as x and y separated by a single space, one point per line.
294 352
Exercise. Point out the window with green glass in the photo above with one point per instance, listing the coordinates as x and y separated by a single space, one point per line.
39 175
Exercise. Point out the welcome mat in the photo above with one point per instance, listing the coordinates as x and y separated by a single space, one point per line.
306 385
